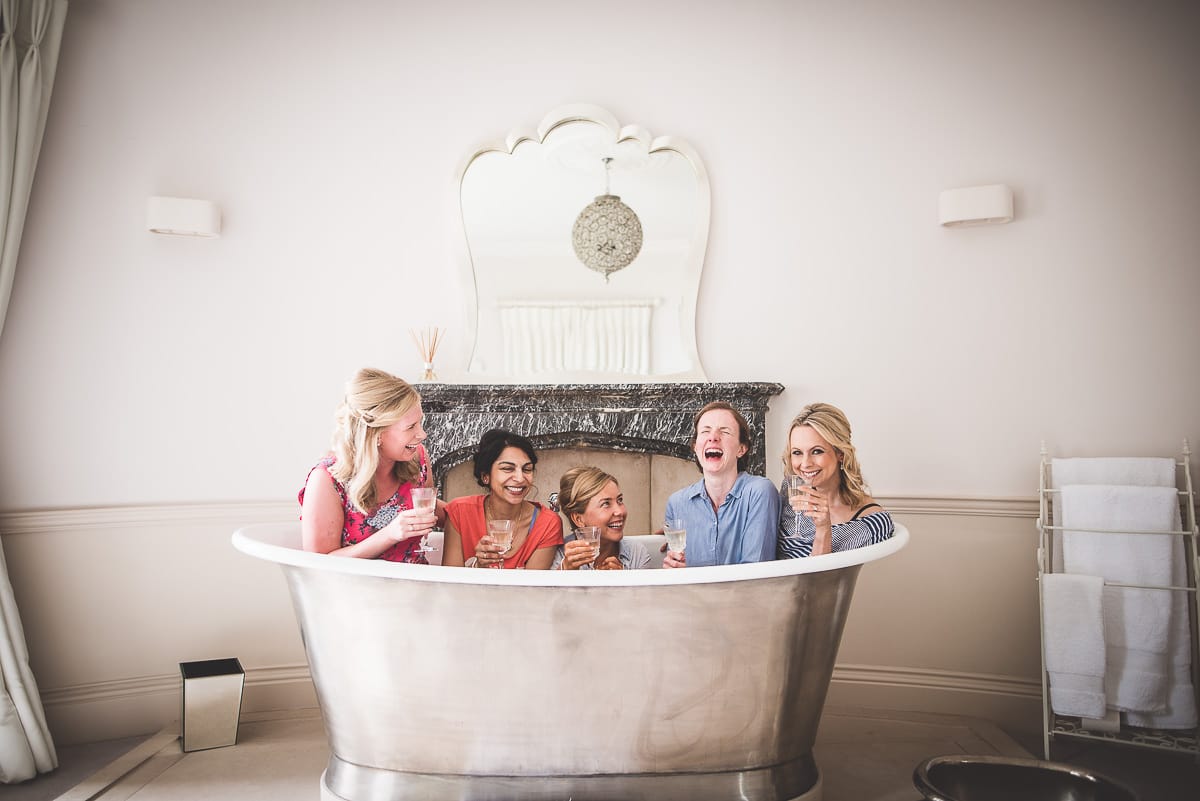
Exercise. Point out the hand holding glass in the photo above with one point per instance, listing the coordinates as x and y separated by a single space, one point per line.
501 533
590 535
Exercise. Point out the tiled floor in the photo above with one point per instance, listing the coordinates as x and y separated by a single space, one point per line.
864 755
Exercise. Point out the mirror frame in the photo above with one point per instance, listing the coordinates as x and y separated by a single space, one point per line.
693 265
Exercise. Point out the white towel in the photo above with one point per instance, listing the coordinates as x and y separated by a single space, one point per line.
1180 712
1136 471
1073 635
1136 621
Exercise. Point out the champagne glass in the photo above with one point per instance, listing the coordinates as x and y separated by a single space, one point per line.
676 533
425 498
590 535
501 533
796 486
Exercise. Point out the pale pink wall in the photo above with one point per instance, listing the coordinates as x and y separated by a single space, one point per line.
142 369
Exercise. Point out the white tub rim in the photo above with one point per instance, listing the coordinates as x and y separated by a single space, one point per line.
268 541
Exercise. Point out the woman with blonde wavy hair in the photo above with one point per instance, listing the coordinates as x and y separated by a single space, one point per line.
588 496
357 501
834 511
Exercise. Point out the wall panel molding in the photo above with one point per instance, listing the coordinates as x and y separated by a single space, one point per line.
133 517
13 523
961 506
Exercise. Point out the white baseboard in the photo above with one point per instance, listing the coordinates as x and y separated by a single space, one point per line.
108 710
129 707
1014 704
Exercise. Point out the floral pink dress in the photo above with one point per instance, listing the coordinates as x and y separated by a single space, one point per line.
359 526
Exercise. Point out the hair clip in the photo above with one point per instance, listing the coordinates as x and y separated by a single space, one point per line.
552 501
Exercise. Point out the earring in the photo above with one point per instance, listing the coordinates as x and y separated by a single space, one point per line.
378 441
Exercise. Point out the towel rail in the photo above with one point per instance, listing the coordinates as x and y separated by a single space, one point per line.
1149 586
1164 587
1182 493
1049 541
1176 533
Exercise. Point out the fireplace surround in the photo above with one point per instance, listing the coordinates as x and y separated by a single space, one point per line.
635 418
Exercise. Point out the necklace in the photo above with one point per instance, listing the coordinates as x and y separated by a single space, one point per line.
488 514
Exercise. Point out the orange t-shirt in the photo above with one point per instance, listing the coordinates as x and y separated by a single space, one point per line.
466 514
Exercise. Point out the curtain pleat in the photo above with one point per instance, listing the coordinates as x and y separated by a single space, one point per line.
28 59
555 337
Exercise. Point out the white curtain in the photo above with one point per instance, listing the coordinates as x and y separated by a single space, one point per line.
32 31
606 337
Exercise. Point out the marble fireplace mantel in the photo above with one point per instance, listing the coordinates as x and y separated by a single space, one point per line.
636 418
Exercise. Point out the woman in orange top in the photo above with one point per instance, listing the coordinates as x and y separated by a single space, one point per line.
504 466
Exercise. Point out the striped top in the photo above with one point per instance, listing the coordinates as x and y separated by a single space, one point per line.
796 532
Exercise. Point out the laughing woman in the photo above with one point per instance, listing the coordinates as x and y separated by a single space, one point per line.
504 466
590 497
730 515
357 501
834 512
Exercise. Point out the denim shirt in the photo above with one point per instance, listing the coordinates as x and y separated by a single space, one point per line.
742 530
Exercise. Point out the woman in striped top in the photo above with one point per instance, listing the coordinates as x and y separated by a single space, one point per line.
834 512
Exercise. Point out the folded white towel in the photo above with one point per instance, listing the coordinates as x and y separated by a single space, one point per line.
1180 712
1132 471
1073 634
1136 680
1136 621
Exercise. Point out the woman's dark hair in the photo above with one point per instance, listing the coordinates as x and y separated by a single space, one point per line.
492 444
743 432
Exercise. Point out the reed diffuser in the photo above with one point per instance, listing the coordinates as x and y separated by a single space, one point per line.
427 341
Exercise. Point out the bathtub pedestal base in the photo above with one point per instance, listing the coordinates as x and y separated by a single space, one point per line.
795 781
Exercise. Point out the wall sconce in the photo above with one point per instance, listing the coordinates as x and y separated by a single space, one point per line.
975 205
183 217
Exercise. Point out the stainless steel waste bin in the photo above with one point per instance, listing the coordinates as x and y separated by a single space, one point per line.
212 702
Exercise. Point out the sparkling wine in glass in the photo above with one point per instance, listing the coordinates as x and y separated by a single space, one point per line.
501 533
425 498
796 487
676 533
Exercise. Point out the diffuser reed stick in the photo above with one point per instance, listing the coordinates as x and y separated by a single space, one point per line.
427 341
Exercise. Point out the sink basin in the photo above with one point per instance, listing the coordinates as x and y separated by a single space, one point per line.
993 778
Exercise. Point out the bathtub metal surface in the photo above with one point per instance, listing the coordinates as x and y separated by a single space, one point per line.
439 682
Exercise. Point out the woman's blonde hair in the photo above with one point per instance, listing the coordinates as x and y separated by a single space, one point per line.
576 489
830 422
374 400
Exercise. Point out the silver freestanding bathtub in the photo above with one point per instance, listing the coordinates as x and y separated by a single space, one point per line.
452 683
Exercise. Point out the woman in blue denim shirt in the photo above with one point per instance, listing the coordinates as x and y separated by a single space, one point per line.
730 515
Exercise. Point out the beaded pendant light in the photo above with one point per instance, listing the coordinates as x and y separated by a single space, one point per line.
607 234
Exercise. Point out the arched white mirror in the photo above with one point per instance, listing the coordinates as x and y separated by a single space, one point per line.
541 313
